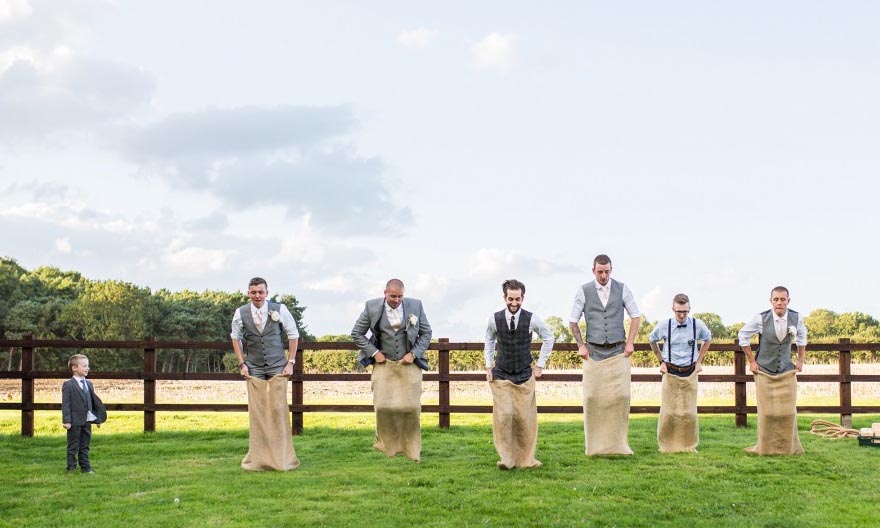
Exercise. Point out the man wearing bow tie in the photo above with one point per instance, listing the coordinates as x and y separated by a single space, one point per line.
678 426
681 336
399 336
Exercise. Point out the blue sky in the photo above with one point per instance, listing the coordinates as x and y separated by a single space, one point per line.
711 148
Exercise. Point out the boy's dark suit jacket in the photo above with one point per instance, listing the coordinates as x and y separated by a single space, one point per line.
75 408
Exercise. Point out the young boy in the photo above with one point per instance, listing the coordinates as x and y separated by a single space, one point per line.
80 408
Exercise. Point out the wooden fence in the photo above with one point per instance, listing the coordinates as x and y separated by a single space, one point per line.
444 348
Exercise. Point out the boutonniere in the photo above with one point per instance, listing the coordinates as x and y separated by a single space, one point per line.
274 315
413 320
792 332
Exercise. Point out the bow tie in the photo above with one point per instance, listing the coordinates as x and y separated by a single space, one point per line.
681 326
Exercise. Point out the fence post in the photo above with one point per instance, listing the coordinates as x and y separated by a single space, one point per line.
844 360
739 387
149 385
297 392
443 370
27 388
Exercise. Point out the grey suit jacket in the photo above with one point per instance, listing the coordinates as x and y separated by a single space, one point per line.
75 407
418 336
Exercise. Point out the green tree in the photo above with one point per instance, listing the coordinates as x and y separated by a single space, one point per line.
820 323
560 330
714 324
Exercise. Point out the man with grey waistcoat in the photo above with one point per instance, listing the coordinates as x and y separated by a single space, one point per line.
775 374
778 327
606 351
601 303
256 335
399 335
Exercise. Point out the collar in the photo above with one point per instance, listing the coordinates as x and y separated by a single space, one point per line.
262 309
514 315
675 323
783 317
390 309
78 379
600 287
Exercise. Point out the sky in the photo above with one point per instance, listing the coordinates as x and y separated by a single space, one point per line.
712 148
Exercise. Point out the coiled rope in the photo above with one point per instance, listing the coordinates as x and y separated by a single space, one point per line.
827 429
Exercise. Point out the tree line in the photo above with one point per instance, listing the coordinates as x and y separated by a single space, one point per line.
52 304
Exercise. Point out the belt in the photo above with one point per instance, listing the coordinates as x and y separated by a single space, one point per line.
670 366
605 345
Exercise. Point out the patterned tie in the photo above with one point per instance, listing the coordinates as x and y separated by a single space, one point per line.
512 326
82 384
394 319
258 320
780 329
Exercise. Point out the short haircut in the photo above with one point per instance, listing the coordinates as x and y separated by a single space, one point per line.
601 259
394 283
513 284
75 360
256 281
681 299
780 289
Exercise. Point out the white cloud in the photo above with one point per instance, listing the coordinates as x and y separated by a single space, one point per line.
652 303
416 38
12 10
193 261
337 284
489 262
495 52
63 245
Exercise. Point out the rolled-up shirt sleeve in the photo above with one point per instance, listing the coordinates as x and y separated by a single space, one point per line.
629 303
801 338
703 332
237 327
751 328
489 346
577 309
537 325
289 323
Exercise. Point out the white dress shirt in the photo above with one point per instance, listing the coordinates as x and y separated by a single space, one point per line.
83 386
756 326
629 303
536 325
287 321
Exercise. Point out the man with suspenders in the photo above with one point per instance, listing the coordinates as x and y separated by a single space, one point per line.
680 336
678 429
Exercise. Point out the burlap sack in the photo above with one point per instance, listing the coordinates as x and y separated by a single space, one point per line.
777 415
606 406
271 443
397 398
515 423
678 430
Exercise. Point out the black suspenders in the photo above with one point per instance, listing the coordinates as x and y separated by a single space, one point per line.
669 340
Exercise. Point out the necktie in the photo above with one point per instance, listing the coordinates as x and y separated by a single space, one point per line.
82 384
603 295
780 329
394 319
512 326
259 321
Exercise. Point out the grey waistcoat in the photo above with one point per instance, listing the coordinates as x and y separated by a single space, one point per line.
774 356
393 344
264 349
604 323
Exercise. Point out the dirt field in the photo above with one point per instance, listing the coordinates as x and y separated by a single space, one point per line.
123 391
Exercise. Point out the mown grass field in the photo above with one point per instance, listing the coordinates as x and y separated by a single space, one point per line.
344 482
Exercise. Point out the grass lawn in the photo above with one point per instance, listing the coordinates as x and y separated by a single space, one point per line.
344 482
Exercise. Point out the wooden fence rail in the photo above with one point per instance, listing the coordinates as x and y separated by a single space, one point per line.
28 346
